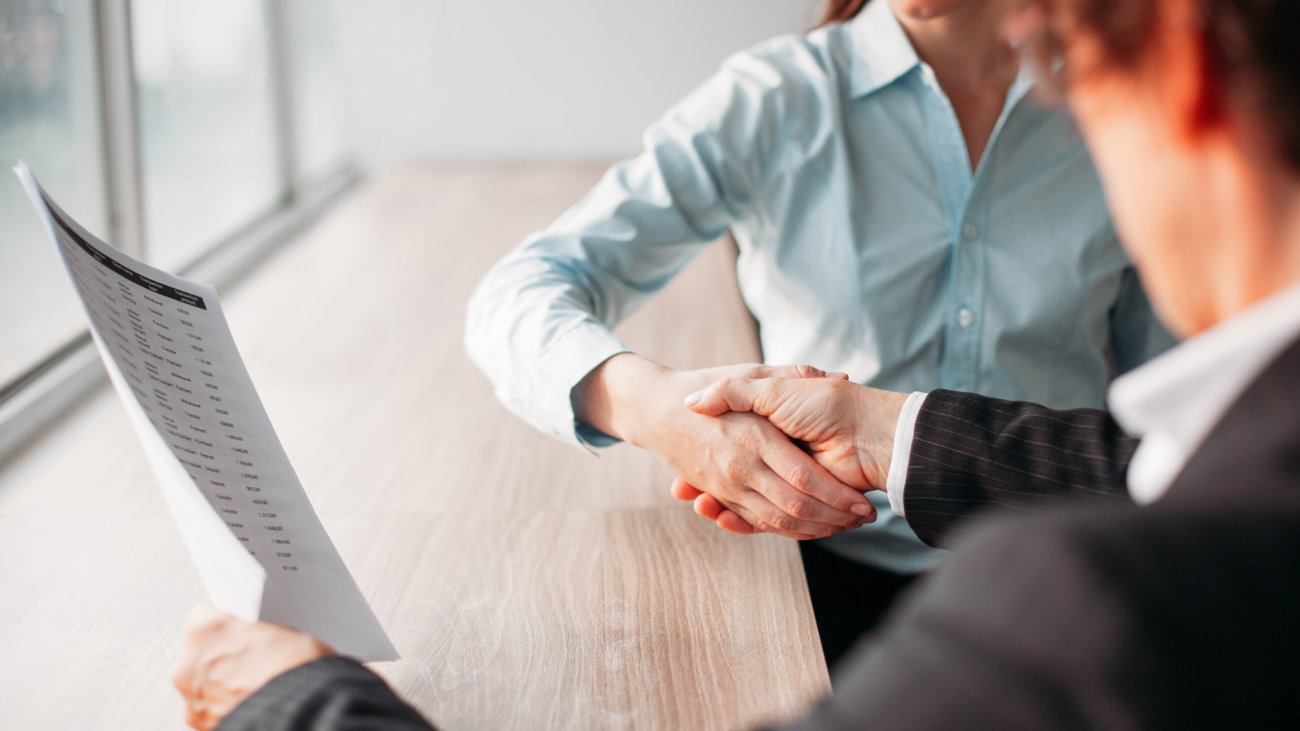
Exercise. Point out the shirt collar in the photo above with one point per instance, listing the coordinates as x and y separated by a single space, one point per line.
1174 401
882 52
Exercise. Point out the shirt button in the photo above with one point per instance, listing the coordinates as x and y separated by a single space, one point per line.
970 230
965 317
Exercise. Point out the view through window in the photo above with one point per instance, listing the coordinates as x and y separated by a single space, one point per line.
49 116
208 132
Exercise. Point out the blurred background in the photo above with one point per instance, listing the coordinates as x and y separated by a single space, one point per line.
176 129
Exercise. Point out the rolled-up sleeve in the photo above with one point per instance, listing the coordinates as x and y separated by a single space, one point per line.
541 319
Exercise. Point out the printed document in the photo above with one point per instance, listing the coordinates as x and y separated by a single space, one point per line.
259 547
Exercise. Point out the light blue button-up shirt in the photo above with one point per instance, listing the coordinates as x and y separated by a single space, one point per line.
866 244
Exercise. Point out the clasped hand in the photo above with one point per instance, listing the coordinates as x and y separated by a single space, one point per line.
741 460
847 429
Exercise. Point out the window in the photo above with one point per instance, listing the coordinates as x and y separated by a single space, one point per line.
207 132
49 116
315 90
168 127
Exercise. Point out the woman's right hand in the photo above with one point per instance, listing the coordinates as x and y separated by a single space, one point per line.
741 459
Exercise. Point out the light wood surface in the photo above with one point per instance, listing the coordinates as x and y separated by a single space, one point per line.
526 583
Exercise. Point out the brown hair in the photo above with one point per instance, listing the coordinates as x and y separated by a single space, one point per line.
1251 43
838 11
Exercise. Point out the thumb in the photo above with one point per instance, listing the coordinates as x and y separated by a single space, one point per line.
798 371
802 370
729 394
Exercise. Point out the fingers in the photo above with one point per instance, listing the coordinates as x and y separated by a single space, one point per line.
785 510
707 506
798 470
792 371
203 624
202 621
683 490
753 513
223 660
757 514
183 669
201 616
198 719
774 486
733 523
786 371
730 394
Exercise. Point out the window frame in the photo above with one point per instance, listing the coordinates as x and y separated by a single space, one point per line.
65 377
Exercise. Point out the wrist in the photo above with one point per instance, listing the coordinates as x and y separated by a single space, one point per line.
878 412
613 397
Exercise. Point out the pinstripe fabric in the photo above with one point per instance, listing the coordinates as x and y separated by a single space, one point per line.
970 453
331 694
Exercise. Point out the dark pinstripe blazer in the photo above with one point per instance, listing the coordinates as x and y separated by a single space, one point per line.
971 453
1091 615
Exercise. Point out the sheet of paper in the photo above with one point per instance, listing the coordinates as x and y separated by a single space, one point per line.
259 547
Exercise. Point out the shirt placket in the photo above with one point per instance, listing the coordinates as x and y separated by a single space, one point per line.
964 291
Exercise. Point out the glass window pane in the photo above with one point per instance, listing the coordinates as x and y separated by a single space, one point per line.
320 135
207 131
50 117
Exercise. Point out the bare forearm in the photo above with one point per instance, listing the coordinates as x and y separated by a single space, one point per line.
616 397
627 397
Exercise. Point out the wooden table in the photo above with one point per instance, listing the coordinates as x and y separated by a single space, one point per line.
526 584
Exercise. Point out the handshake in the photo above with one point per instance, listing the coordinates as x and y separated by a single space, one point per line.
776 449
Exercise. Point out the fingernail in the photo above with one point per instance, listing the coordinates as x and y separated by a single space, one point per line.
863 509
694 398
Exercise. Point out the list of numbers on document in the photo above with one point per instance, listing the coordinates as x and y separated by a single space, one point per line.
150 327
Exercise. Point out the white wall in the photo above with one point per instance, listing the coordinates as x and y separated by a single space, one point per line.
533 79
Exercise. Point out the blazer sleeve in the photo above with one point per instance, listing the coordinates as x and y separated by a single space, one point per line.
331 694
971 453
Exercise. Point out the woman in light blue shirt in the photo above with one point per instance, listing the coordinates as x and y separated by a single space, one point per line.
906 213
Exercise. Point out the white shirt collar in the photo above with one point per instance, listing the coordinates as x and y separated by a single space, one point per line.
1174 401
